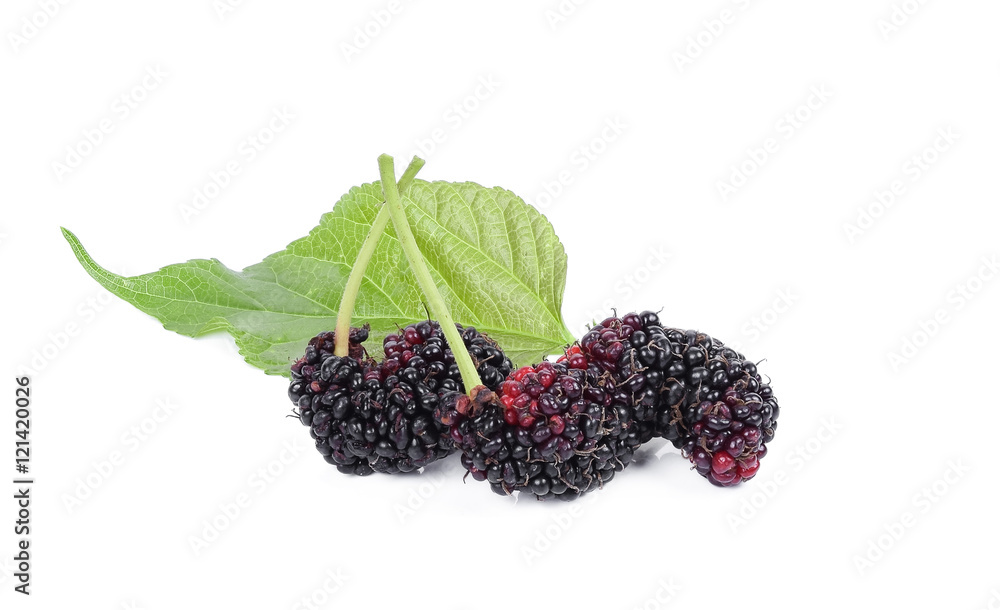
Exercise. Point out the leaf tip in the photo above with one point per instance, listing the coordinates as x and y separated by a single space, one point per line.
74 243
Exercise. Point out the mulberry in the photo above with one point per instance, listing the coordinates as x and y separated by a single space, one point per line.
689 388
367 416
554 430
715 407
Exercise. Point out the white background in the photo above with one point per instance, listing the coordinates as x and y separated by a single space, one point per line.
769 267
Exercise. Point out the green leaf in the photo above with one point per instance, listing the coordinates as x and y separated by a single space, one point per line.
497 261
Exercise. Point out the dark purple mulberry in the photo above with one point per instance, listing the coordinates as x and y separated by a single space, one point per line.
555 430
367 416
687 387
715 407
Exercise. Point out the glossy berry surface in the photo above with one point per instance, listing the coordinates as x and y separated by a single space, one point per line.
633 351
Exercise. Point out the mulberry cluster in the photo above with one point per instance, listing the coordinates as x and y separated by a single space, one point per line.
553 430
367 416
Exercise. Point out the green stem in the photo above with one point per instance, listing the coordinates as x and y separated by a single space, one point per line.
342 345
470 376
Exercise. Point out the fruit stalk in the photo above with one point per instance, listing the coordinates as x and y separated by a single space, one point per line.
435 302
346 310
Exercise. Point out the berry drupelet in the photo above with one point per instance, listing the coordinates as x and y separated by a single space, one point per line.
367 416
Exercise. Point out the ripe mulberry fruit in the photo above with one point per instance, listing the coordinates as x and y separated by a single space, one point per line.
715 408
687 387
553 430
367 416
